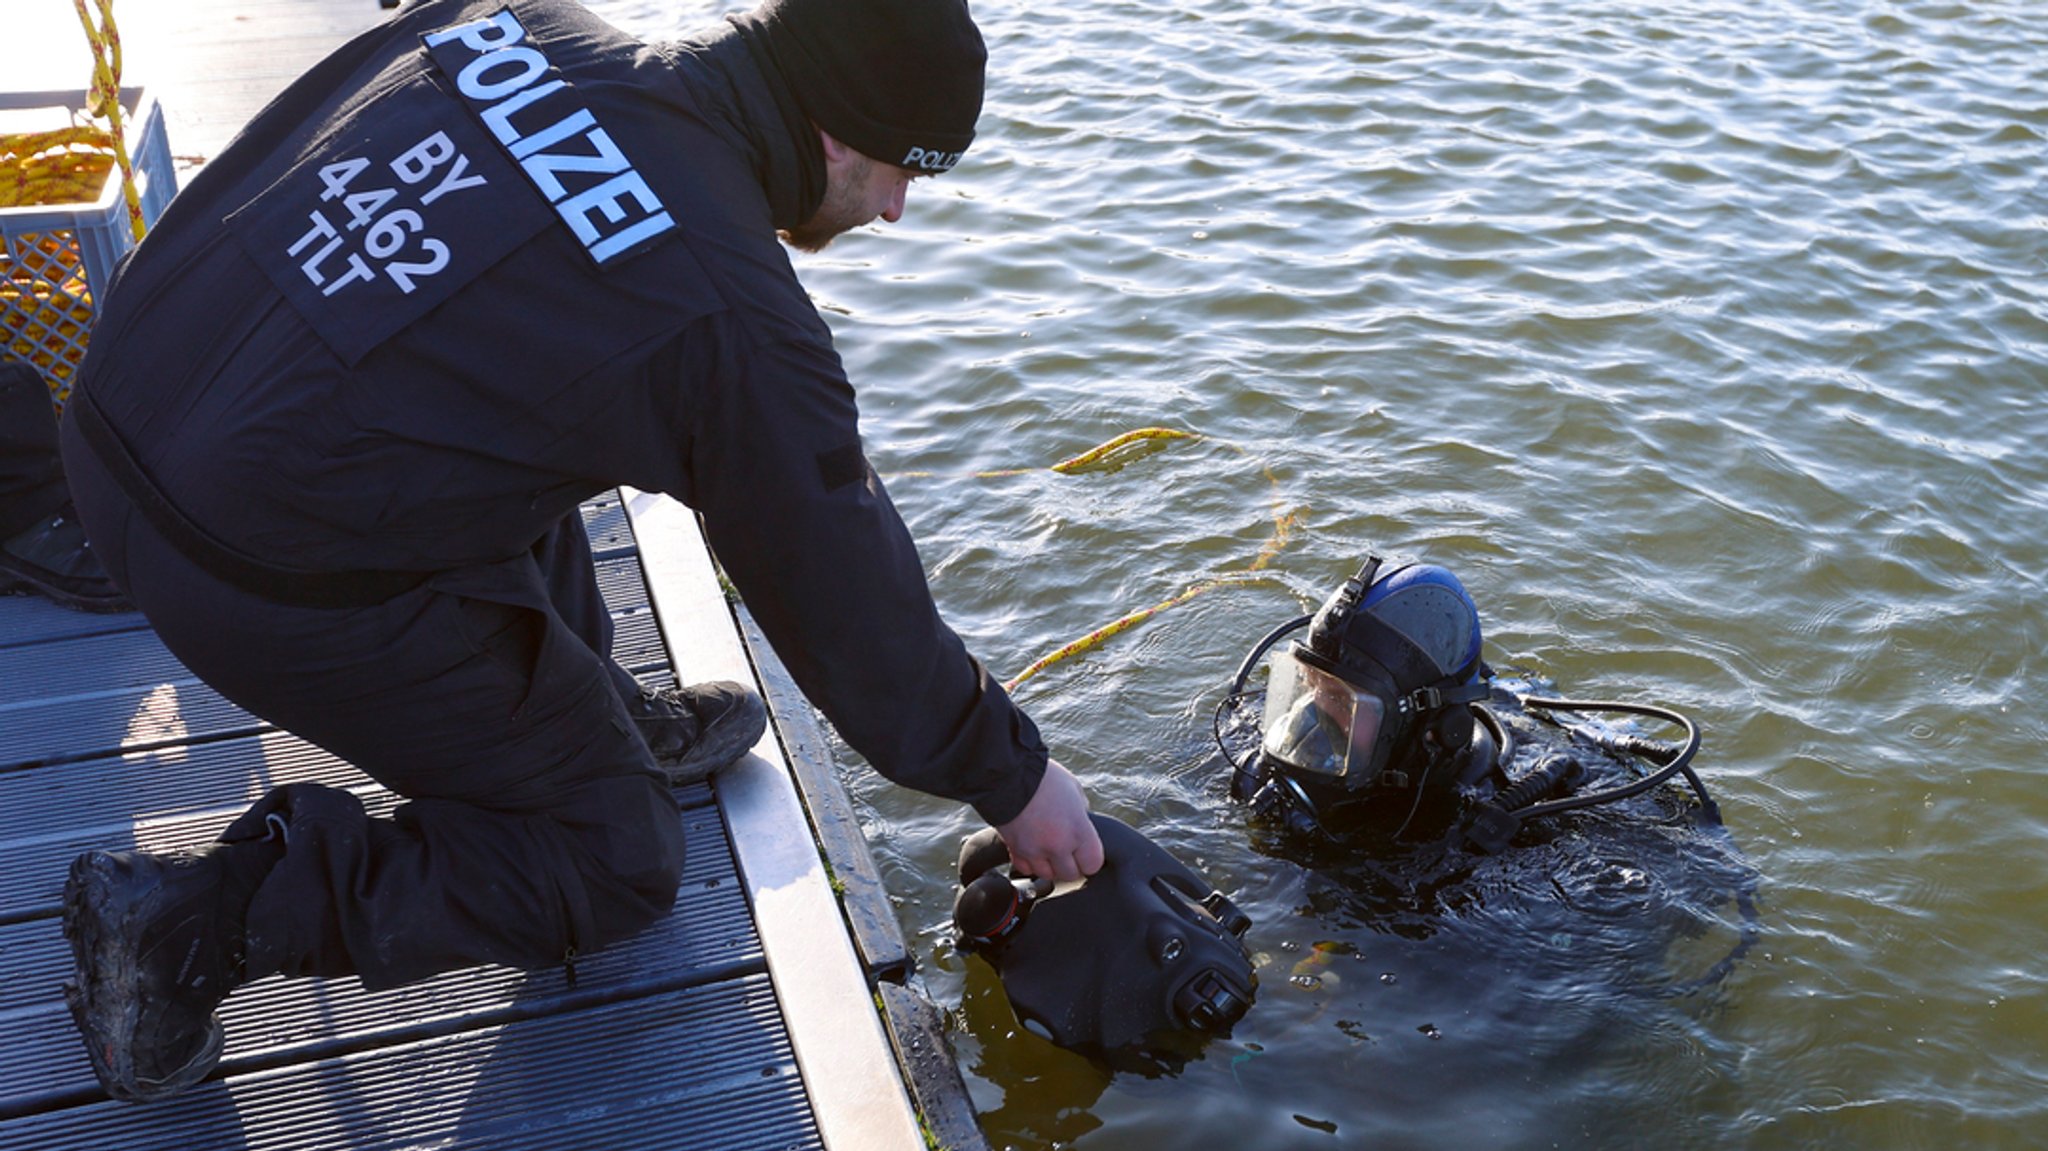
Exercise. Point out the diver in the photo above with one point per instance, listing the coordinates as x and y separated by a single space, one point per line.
1382 735
1384 725
1388 757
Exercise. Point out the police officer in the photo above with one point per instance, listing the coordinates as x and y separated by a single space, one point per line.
480 264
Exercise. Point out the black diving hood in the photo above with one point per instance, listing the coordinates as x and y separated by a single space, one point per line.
1139 957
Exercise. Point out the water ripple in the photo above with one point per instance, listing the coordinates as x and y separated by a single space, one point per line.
1706 340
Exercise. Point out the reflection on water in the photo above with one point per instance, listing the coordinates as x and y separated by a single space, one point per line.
1704 340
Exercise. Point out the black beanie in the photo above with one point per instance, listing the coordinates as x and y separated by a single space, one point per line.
898 81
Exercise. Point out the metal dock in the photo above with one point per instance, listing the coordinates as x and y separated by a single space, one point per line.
747 1019
776 1009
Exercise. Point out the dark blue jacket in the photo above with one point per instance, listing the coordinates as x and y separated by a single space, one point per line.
493 258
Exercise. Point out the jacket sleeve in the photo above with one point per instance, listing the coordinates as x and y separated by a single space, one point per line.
803 527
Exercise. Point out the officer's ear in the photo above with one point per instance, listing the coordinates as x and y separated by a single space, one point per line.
835 152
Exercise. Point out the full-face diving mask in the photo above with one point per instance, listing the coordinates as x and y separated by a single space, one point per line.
1386 692
1384 657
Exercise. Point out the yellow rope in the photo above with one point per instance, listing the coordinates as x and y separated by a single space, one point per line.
1095 639
56 167
1284 521
1103 457
1114 454
1108 457
70 165
105 101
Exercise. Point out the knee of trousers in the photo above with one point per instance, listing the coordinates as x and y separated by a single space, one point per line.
632 856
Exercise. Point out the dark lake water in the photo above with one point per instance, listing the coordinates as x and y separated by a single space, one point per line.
1705 341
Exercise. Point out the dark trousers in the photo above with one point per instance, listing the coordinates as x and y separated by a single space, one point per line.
536 822
31 474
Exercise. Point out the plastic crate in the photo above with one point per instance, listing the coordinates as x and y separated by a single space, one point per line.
56 259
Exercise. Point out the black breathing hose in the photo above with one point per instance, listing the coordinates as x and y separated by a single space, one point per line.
1681 762
1503 736
1550 773
1244 672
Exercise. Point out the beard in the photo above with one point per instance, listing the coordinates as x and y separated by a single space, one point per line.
842 209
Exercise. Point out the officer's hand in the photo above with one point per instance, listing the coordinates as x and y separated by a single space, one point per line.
1052 836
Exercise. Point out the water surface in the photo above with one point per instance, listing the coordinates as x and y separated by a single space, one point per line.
1706 342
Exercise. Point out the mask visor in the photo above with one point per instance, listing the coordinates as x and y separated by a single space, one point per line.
1317 723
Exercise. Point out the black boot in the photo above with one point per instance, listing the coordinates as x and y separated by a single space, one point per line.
693 731
54 559
157 940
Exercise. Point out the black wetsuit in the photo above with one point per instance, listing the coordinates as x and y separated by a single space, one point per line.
478 266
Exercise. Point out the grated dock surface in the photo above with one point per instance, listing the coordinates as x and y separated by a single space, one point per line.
674 1039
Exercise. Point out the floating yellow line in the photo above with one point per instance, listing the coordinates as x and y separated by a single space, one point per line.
1103 457
1109 456
1095 638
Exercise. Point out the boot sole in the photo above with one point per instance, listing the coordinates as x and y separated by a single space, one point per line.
104 901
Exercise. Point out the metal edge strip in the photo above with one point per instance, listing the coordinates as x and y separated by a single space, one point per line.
884 952
916 1026
860 1101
